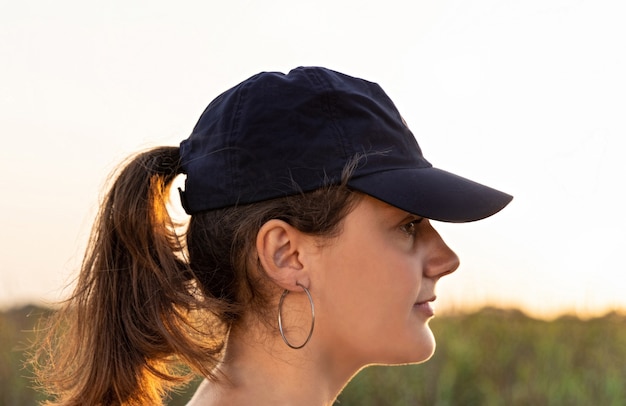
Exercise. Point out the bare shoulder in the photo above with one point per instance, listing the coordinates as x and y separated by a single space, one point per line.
202 397
213 394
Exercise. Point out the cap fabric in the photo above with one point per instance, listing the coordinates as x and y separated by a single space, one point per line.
275 135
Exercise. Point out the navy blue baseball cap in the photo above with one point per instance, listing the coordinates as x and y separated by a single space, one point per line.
276 135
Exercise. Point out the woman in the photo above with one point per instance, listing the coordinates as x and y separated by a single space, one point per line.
309 253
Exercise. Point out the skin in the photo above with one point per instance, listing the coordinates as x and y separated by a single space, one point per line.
372 287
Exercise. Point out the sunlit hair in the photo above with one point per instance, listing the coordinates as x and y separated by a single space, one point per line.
142 318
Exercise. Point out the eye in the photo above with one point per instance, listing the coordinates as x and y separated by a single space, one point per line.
410 228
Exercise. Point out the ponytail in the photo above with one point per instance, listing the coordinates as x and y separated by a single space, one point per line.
129 326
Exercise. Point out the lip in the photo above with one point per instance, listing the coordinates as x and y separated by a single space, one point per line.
425 307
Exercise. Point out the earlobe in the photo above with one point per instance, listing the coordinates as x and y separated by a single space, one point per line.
279 249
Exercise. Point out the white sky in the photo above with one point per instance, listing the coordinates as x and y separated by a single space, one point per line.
527 96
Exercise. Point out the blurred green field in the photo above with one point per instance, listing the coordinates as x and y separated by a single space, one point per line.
491 357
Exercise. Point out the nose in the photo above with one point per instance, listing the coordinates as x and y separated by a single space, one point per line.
440 260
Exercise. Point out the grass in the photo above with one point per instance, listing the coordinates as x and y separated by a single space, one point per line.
491 357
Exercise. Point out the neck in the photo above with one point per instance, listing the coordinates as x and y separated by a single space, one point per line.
262 370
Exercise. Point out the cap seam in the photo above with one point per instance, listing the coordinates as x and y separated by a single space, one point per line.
329 98
233 161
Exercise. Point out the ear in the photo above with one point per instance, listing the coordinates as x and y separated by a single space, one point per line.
281 249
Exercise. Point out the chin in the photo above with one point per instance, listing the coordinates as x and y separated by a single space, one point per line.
428 355
419 350
417 357
425 348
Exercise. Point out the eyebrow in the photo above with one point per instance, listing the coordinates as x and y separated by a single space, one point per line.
396 213
412 217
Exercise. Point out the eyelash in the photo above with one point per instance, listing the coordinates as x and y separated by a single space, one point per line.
410 228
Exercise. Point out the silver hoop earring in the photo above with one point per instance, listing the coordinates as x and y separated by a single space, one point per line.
280 321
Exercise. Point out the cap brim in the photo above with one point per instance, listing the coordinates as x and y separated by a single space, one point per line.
433 193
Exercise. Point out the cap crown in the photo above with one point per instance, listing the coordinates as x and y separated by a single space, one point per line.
275 135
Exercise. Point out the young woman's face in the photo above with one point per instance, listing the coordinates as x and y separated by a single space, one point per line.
374 284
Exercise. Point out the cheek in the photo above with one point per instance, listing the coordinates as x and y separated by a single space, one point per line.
396 273
371 269
380 283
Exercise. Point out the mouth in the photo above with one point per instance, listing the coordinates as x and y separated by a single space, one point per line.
426 306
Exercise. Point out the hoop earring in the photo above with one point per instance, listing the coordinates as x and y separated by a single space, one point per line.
280 321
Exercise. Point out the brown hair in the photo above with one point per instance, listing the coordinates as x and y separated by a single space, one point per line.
142 317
